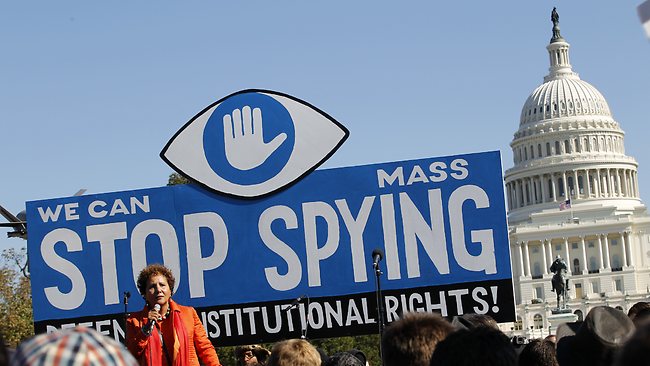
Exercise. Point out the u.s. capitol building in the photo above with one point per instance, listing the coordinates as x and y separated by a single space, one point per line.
573 193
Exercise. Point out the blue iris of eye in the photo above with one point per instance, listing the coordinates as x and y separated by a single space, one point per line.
275 120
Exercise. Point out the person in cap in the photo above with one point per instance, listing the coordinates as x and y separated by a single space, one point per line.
595 341
412 339
78 346
164 332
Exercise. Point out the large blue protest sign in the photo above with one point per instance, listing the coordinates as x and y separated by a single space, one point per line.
439 221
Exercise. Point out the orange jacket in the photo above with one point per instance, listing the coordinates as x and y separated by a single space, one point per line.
199 344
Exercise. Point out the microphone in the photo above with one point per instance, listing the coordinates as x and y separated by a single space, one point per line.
377 256
148 328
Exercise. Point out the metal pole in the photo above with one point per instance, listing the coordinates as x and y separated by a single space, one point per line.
380 307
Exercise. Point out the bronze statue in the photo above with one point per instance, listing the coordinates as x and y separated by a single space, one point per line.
560 281
555 18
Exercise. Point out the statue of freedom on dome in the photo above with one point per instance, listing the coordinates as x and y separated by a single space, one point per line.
555 17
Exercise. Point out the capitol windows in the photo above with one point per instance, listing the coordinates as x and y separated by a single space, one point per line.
539 292
557 147
577 143
593 266
539 150
576 266
618 284
578 313
525 154
538 321
581 184
519 325
586 141
548 149
567 147
595 287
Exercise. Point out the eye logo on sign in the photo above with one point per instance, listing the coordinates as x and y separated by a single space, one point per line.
253 143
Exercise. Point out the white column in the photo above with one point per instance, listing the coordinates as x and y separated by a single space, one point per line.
524 195
608 186
576 186
600 253
606 246
517 203
527 259
508 197
542 184
521 259
584 255
568 257
549 252
567 194
531 183
554 188
587 183
624 249
544 263
597 184
618 183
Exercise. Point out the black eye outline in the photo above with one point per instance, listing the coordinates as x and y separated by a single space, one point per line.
343 129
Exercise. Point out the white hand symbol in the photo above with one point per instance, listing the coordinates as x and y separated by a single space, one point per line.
244 140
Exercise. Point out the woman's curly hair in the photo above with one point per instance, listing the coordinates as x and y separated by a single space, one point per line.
154 270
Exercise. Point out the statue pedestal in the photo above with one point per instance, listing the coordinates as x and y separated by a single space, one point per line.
558 317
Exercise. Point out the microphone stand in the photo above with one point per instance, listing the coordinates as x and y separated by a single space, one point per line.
306 327
380 306
125 300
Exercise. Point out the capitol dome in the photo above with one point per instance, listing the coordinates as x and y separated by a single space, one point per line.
566 96
568 147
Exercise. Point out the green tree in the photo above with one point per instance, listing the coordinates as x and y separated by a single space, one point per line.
16 314
175 178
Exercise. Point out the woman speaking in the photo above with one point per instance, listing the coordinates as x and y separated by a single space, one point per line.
165 333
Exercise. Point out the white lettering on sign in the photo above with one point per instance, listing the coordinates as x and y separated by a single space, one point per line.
96 209
422 228
438 173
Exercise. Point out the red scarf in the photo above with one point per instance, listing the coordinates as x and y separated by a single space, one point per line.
154 353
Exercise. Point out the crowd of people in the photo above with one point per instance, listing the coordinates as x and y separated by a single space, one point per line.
168 334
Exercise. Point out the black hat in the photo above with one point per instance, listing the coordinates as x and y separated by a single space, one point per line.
596 340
